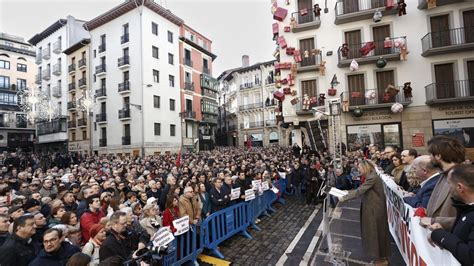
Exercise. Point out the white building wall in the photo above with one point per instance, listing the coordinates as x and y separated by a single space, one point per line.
141 76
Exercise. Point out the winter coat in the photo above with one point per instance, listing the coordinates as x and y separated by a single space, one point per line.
374 221
58 258
92 249
114 245
169 216
17 251
423 195
460 241
188 207
206 203
439 206
88 219
151 224
218 199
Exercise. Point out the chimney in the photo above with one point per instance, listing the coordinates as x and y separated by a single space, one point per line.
245 61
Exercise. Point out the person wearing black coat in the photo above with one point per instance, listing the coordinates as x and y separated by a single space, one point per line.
18 249
297 177
311 180
244 183
460 240
115 244
55 252
218 197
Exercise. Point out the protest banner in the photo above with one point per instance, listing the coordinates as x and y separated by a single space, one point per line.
249 194
235 193
181 225
256 184
411 238
162 237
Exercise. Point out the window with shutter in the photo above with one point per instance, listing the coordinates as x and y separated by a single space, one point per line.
384 78
307 45
440 31
353 40
380 33
309 87
468 20
444 76
356 86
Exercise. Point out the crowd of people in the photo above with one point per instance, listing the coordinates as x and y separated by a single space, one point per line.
90 210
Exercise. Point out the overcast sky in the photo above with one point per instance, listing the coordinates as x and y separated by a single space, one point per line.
236 27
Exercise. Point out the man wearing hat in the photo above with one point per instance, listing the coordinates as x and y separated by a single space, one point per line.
15 211
32 206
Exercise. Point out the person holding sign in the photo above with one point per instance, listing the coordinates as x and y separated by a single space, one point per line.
219 198
373 213
171 212
244 183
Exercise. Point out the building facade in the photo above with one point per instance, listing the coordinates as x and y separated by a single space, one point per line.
198 90
17 72
135 83
78 84
247 107
427 69
52 79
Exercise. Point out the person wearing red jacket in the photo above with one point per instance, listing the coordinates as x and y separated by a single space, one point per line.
91 217
171 212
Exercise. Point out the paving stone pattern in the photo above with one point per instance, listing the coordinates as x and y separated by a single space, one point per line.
269 244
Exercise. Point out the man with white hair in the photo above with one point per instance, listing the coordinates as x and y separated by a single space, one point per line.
428 174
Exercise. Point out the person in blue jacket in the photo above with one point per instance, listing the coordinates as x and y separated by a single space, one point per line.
55 251
429 175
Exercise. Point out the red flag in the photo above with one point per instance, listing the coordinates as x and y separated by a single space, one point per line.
178 161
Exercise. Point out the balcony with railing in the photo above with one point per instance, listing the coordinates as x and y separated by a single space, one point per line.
102 142
71 124
209 118
21 124
57 47
100 93
310 63
124 38
100 70
305 22
126 140
38 79
247 85
188 115
124 61
71 68
55 126
354 10
250 106
379 98
209 93
71 105
39 58
188 62
364 55
82 82
209 82
101 117
423 4
269 80
255 124
452 91
448 41
71 86
46 74
81 63
46 53
102 48
189 86
124 87
57 69
57 91
124 114
82 122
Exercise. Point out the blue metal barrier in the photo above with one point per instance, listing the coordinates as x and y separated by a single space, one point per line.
224 224
260 206
270 197
184 248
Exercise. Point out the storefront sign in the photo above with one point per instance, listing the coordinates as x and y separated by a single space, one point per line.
460 129
376 116
457 110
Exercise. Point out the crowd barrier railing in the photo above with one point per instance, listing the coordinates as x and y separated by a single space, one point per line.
411 238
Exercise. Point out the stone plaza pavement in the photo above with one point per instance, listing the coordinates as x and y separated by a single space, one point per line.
292 236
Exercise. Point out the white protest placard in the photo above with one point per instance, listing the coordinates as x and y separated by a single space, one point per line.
249 194
235 193
162 237
275 190
282 175
337 192
256 184
181 225
265 186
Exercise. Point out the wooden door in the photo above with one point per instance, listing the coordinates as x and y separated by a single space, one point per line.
308 5
309 87
356 85
444 74
470 77
468 19
384 78
440 34
354 40
307 45
350 6
380 33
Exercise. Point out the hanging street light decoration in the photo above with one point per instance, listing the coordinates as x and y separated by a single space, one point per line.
86 102
31 101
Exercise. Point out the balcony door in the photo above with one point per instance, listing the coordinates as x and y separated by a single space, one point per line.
350 6
354 40
468 19
126 130
189 105
444 75
102 108
307 45
384 78
380 33
103 133
470 76
356 86
302 4
126 103
309 87
440 31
